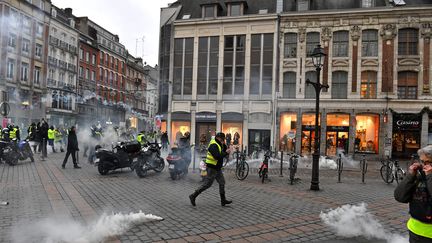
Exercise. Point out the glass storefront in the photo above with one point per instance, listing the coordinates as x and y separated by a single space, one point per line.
204 133
406 134
178 129
308 133
259 140
288 122
337 133
367 129
235 131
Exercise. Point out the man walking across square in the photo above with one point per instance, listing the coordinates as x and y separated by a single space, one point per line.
72 148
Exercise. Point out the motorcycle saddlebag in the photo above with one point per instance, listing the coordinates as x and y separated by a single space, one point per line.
132 147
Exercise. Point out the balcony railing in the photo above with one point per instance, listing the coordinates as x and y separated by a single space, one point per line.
51 83
53 40
52 61
73 49
71 67
62 64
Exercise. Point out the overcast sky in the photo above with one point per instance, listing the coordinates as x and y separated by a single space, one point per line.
129 19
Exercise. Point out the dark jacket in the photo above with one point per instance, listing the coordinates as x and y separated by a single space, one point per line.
214 150
44 130
412 190
72 141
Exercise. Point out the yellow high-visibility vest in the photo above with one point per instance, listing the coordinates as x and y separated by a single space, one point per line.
420 228
51 134
210 159
12 134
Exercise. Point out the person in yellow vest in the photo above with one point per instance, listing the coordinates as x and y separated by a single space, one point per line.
217 151
141 138
416 189
58 139
51 137
12 131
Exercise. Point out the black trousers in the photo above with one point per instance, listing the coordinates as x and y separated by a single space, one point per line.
69 152
413 238
212 175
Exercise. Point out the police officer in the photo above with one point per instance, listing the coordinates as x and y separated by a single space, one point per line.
217 150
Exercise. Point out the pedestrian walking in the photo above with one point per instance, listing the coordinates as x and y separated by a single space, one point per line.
58 139
44 137
51 137
217 150
165 141
72 148
416 189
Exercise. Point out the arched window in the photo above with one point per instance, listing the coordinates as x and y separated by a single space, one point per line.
408 41
339 85
289 85
340 43
370 43
407 85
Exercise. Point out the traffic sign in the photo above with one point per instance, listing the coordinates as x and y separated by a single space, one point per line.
4 109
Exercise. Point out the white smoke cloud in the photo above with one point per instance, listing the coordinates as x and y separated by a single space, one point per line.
66 230
355 220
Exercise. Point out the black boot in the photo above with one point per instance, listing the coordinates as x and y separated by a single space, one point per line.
224 201
192 198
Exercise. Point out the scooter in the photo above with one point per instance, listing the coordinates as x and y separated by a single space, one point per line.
122 155
179 160
14 151
149 159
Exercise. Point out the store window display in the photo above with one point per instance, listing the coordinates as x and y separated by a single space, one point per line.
234 132
288 122
337 133
179 129
308 133
367 128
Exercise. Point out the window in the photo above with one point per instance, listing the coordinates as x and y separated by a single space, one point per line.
288 129
367 130
340 44
25 46
183 62
370 43
101 56
235 9
51 74
309 89
81 72
101 74
407 85
37 73
94 59
312 40
208 65
87 54
408 42
368 88
42 5
339 86
10 68
209 11
39 30
289 85
12 40
62 77
27 25
261 64
302 5
14 19
38 50
93 75
87 74
234 50
290 45
368 3
24 71
81 54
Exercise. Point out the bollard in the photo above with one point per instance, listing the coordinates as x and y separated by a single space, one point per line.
193 159
339 167
44 149
281 165
363 168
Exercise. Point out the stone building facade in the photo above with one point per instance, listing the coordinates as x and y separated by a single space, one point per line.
241 67
136 84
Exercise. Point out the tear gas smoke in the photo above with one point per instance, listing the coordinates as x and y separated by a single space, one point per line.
355 220
66 230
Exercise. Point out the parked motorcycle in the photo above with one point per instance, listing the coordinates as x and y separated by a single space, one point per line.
179 160
122 155
149 159
14 151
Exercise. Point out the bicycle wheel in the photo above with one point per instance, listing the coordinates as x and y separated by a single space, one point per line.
400 175
386 174
242 171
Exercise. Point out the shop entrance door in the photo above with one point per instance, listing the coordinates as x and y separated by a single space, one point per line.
336 141
204 133
259 140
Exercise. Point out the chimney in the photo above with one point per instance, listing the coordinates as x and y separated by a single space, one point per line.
68 12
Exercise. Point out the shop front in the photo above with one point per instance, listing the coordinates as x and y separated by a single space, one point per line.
337 135
308 133
406 137
232 126
180 124
205 128
259 140
287 134
367 133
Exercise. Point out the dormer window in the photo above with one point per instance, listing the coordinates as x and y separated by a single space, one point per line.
302 5
209 11
236 8
368 3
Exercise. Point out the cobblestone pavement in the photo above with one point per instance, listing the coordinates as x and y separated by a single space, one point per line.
274 211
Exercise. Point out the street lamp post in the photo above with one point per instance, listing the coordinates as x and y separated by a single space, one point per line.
318 61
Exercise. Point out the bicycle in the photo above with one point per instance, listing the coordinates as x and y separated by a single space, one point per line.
293 162
242 167
390 170
263 171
